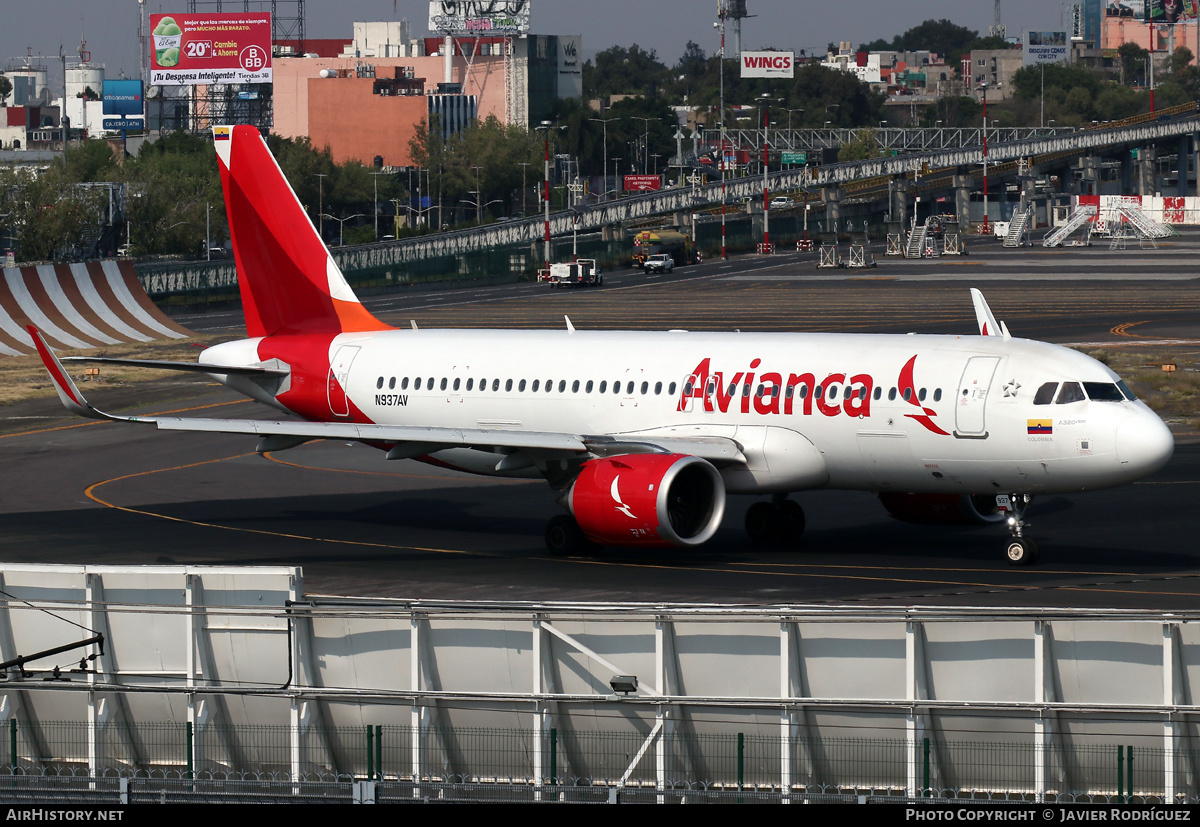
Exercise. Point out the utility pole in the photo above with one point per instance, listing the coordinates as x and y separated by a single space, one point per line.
721 13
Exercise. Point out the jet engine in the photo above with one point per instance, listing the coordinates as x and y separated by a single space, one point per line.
648 500
944 509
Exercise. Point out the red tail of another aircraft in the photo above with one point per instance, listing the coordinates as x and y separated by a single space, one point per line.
288 280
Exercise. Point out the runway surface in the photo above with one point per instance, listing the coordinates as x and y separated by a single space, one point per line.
83 492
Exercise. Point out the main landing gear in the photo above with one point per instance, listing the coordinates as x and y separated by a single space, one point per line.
779 522
564 537
1021 550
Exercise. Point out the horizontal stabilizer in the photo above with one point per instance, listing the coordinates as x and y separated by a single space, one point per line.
190 367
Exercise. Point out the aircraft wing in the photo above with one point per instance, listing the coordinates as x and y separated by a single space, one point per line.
410 440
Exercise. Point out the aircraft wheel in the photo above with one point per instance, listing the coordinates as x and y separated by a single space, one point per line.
792 521
763 522
563 536
1022 551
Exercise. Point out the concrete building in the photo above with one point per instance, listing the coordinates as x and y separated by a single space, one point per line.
995 68
335 100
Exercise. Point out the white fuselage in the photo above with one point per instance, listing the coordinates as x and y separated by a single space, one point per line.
808 410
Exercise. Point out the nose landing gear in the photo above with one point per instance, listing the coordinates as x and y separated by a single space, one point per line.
1021 550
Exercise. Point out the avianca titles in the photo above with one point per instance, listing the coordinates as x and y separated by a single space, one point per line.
642 435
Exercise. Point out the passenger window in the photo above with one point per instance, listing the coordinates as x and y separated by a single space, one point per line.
804 391
508 386
1071 392
575 386
430 385
495 384
937 395
562 385
878 392
379 384
588 387
645 387
758 391
774 391
819 392
404 384
846 393
456 381
470 384
629 389
535 385
443 386
604 386
657 388
791 389
921 395
392 384
521 387
908 394
892 395
1045 394
671 389
417 384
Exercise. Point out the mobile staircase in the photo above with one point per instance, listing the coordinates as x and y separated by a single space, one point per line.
1019 227
1082 216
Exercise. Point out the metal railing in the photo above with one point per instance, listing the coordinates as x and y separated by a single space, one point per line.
216 760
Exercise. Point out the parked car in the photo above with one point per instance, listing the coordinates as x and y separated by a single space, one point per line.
659 263
782 202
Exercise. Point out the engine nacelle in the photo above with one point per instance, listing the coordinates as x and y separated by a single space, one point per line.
943 509
648 500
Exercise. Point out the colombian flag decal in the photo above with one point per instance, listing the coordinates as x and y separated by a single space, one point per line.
220 133
1040 426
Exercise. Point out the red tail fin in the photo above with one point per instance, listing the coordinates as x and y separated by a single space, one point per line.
288 280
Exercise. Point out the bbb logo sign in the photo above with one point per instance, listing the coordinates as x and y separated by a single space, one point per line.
253 58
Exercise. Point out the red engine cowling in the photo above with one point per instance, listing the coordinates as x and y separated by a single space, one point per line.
944 509
648 500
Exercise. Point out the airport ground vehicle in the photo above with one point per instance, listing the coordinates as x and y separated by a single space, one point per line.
642 435
655 242
584 272
659 263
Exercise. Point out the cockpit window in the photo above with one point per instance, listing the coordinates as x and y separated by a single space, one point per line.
1045 394
1071 392
1130 395
1103 392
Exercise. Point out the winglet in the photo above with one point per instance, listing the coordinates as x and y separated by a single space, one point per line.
983 315
570 327
71 398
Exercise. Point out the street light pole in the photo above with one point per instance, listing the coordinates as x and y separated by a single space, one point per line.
524 169
604 165
478 197
321 176
547 126
985 201
721 63
766 194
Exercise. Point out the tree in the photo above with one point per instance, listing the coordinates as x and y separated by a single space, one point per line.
622 71
6 88
865 146
1133 64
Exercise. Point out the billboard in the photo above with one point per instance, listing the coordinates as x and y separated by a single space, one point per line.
642 183
1046 47
479 17
122 97
1170 11
199 49
768 65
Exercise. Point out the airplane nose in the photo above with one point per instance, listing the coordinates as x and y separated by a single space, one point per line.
1144 444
